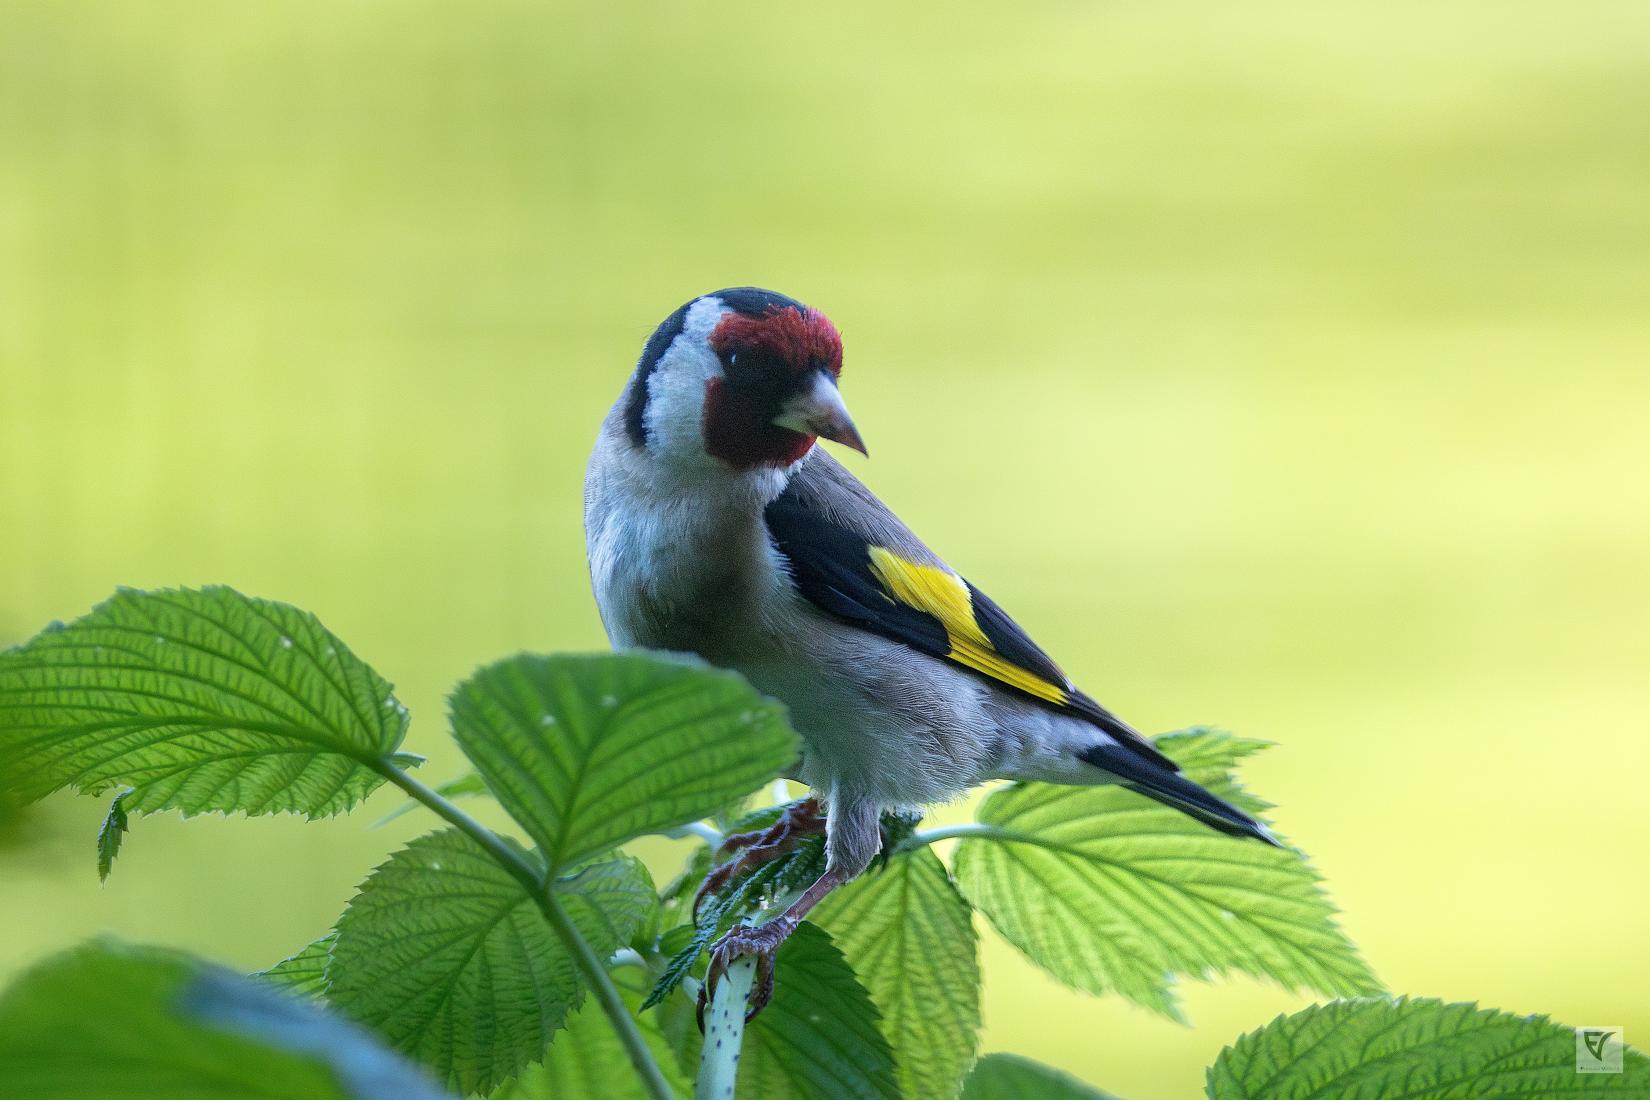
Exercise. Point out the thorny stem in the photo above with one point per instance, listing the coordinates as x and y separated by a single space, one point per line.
725 1015
725 1032
538 888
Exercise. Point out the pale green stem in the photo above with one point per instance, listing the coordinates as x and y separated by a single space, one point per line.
719 1056
584 956
725 1015
923 837
725 1032
704 832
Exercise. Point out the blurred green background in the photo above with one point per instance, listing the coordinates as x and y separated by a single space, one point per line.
1280 366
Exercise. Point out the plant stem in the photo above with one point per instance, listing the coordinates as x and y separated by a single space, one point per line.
924 837
538 888
725 1016
607 995
704 832
506 856
725 1032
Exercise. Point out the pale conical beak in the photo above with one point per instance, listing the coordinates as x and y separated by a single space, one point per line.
821 412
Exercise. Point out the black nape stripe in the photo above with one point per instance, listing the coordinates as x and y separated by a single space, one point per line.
635 409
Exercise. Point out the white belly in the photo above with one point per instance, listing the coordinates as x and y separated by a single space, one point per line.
878 720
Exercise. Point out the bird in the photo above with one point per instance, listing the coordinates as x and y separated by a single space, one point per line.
716 525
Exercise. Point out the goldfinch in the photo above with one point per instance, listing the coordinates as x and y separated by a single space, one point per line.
715 525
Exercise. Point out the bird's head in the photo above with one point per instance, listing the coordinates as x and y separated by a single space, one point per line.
741 379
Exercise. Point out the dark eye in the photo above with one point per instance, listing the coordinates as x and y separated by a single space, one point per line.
752 366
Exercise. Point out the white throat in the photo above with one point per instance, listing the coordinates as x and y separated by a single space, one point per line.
674 416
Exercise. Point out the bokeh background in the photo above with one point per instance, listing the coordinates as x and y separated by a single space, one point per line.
1284 367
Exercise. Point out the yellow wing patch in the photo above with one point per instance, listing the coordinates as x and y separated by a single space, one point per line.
942 594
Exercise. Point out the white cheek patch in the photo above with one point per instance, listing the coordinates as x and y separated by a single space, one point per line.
676 389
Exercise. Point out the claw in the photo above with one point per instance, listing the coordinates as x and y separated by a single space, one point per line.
763 942
762 988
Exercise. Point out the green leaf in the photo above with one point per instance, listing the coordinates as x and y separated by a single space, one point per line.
303 974
587 752
1107 890
678 1021
109 836
447 956
910 937
109 1020
197 700
818 1039
1011 1077
1417 1049
587 1061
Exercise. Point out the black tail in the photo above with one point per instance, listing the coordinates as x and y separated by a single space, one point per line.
1173 789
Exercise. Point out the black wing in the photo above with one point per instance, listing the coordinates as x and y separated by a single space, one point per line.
896 588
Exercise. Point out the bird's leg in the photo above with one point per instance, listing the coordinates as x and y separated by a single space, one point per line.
762 846
763 941
851 843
